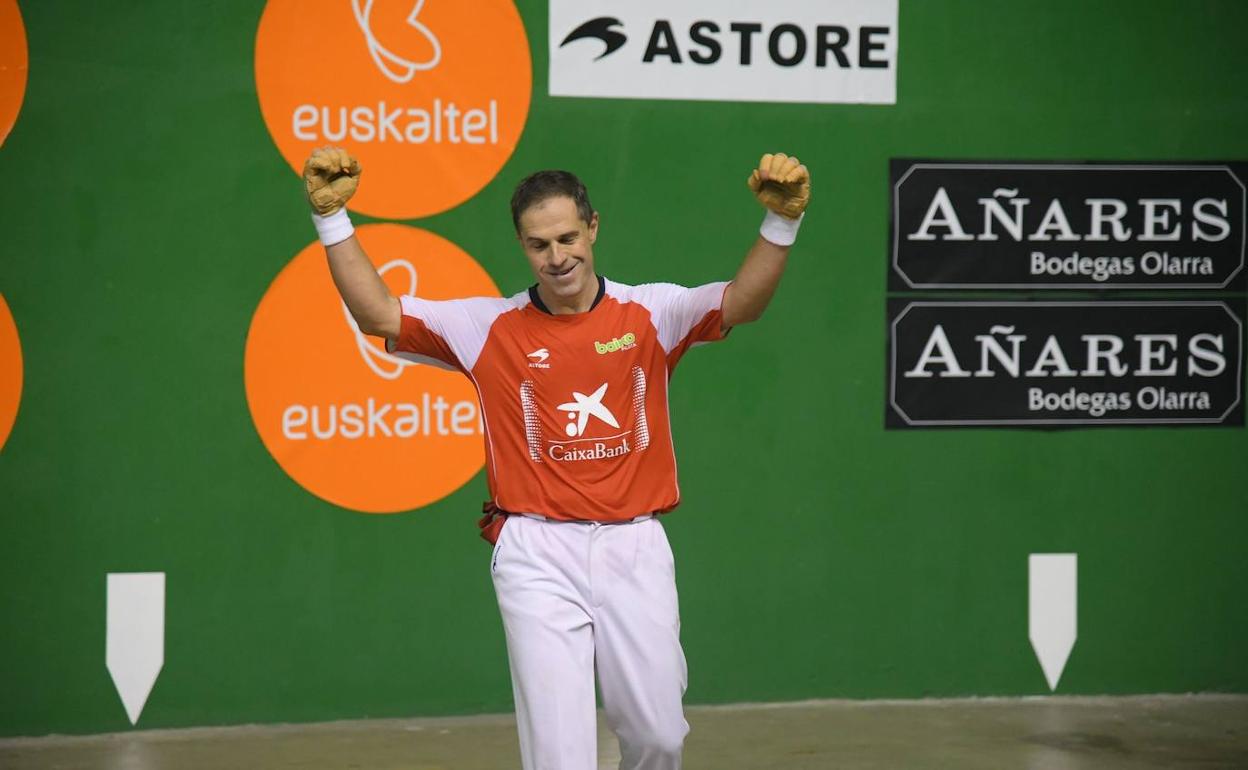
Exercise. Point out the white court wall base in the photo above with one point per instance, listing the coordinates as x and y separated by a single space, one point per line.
134 647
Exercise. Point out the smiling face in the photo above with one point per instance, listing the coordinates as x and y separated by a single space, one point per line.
560 249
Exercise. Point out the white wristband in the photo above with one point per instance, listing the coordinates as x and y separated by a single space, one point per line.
781 231
334 228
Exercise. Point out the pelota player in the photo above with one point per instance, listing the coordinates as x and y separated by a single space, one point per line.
572 377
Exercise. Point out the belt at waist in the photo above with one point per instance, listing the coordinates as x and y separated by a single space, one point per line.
540 517
491 523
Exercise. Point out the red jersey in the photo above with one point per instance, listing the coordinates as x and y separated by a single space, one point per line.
575 406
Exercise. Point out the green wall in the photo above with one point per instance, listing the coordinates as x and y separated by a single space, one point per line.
146 211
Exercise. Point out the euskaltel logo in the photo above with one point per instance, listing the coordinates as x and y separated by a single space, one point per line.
13 64
346 420
10 371
431 95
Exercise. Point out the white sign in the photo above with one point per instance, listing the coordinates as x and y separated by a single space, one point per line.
1052 610
134 644
826 51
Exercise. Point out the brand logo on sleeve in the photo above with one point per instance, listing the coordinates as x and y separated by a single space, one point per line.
431 95
346 420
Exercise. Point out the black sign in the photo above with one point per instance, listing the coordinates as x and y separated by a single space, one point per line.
963 225
1043 364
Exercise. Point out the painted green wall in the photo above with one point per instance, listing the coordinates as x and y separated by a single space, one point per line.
146 210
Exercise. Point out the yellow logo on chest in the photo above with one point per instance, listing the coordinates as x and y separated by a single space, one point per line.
629 340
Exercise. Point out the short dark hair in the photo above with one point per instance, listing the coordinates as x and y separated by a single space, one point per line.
540 186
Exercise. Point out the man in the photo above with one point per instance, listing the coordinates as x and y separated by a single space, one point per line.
572 377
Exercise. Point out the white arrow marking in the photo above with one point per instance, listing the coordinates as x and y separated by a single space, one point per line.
135 645
1053 581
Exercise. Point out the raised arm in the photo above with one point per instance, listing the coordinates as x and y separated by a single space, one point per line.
781 184
330 179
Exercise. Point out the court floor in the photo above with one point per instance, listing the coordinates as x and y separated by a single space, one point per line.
1049 733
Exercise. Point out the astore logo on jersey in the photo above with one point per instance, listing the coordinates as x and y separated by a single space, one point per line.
335 410
537 359
784 51
407 85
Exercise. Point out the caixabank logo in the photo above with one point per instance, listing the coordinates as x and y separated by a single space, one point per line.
781 51
602 421
13 63
431 95
347 421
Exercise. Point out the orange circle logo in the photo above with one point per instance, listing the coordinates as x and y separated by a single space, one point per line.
347 421
12 65
10 371
430 95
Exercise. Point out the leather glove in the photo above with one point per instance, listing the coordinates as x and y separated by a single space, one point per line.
782 184
330 177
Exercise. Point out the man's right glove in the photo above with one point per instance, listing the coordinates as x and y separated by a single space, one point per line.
330 177
781 184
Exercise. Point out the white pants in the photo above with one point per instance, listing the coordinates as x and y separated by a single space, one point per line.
575 597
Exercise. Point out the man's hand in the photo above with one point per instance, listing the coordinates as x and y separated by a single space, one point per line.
782 184
330 177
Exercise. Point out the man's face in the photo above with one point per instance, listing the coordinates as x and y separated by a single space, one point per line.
560 249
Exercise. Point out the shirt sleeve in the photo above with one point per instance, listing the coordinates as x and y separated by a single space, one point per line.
685 317
444 333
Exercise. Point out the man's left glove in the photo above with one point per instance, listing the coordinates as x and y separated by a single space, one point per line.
782 184
330 177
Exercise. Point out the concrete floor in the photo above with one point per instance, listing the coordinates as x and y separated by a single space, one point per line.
1204 731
